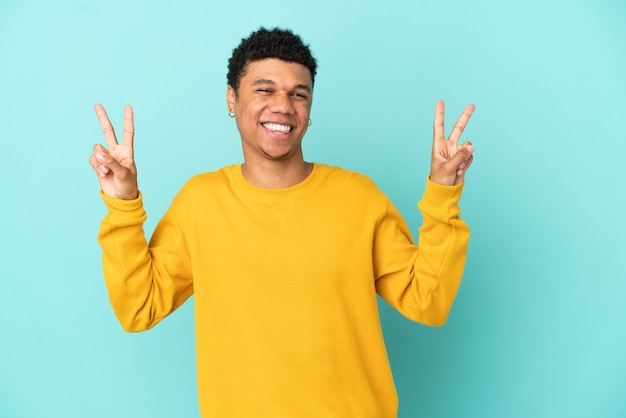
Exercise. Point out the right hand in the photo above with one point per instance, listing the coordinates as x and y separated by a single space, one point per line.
115 166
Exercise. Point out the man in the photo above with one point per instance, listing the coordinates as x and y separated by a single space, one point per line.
284 256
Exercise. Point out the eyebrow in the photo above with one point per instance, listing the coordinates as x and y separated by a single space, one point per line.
267 81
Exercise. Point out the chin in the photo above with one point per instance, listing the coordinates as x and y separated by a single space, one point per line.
277 156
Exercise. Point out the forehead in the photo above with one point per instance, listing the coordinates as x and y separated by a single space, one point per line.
277 71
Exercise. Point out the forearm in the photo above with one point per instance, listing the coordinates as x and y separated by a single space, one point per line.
442 249
139 290
421 281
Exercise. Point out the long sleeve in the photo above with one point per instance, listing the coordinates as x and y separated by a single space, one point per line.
283 281
145 284
421 282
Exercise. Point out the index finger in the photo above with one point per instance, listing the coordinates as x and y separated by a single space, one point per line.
460 124
105 124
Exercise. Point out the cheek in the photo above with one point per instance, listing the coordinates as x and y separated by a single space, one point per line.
252 109
304 110
245 117
247 104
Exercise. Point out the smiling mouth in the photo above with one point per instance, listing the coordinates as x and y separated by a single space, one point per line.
277 127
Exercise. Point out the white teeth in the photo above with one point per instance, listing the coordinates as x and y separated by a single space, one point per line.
277 127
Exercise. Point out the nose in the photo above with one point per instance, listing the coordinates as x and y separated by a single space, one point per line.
281 103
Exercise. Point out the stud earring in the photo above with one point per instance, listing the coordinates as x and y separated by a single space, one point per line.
231 114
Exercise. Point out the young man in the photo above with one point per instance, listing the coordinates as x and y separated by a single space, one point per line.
284 256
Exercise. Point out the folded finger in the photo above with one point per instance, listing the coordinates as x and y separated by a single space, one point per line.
108 163
465 165
461 171
98 167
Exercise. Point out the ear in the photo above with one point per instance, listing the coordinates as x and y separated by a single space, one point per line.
230 98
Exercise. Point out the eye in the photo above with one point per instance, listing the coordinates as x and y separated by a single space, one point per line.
299 95
264 91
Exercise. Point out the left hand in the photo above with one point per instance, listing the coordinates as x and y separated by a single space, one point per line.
450 161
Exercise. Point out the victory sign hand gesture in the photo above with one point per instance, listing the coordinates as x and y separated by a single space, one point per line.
115 166
450 160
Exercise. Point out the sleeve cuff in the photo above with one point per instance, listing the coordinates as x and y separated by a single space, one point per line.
441 202
114 204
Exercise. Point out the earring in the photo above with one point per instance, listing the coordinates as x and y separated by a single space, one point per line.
310 122
231 114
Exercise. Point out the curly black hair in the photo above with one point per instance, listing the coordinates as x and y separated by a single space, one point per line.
276 43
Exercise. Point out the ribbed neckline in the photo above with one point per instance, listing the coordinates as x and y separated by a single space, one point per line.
260 193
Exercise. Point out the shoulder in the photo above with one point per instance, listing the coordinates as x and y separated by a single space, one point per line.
209 179
352 186
205 186
343 178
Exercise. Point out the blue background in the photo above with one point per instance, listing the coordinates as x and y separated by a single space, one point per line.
539 325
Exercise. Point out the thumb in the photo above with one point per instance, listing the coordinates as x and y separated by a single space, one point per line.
463 153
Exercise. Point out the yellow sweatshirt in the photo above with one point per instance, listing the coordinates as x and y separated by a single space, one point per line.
285 283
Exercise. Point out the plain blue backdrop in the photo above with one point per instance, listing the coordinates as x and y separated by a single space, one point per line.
539 325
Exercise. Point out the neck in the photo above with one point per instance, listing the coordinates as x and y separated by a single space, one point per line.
276 174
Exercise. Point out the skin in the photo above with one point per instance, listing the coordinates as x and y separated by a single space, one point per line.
115 166
450 161
273 94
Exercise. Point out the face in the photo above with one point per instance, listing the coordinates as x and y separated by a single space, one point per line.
272 109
